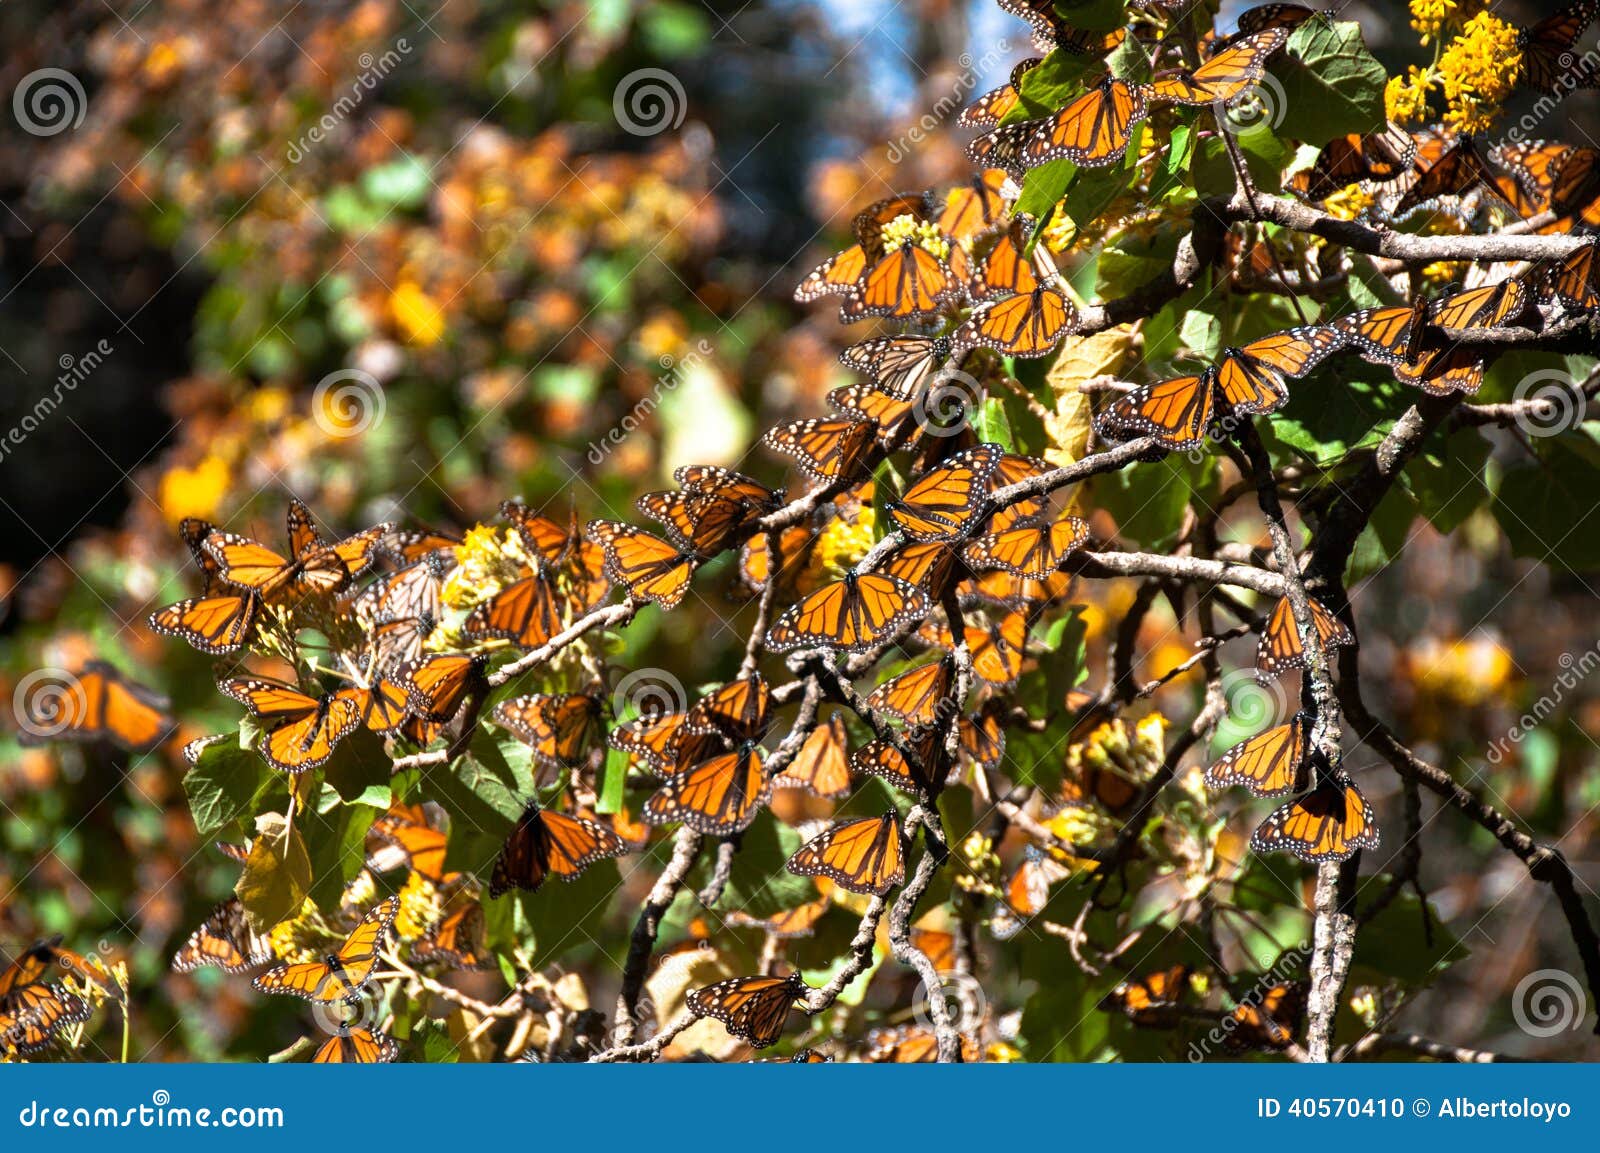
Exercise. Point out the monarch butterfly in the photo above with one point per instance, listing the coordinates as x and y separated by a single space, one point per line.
1459 169
907 284
341 974
822 766
1027 892
1547 176
921 774
409 593
1442 371
560 728
862 856
972 208
755 562
1093 131
651 568
1288 16
930 565
356 1046
652 738
1137 996
301 730
1375 158
1225 76
982 740
1049 31
1105 786
525 613
997 651
1003 148
412 836
853 614
916 696
914 1045
1033 551
1013 468
938 946
1177 413
457 940
737 711
719 796
314 568
1269 764
700 523
944 501
899 365
788 924
1269 1021
754 1008
383 705
1386 336
1487 307
1330 823
32 1013
1027 325
33 962
728 484
543 538
1575 279
869 224
97 703
410 545
824 449
437 685
220 619
989 109
1280 647
549 844
1549 60
1251 379
1010 592
225 940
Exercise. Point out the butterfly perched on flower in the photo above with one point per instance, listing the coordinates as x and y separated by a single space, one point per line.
1269 764
345 971
301 730
355 1045
545 844
1280 647
853 614
1330 823
222 617
753 1008
651 569
95 704
437 685
862 856
314 566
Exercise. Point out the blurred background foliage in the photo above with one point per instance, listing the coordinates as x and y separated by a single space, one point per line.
521 275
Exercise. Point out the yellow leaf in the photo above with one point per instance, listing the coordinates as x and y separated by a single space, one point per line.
277 874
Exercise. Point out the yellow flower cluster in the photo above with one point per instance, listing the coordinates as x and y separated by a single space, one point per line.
1349 202
298 938
488 558
924 234
1479 70
1466 671
844 542
420 907
1405 97
1429 17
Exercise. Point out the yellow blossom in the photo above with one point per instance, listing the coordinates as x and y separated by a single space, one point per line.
488 558
416 314
1349 202
196 491
1479 70
907 229
1429 17
844 542
1405 97
1466 671
298 939
420 907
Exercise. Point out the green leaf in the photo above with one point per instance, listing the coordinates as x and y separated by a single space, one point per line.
1386 534
1397 946
992 426
759 884
277 874
565 914
1546 506
1447 482
1056 82
402 183
1328 84
223 787
1092 190
1328 417
1043 187
335 843
1094 15
1147 500
613 779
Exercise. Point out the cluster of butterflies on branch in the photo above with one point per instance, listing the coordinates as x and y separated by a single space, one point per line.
962 274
